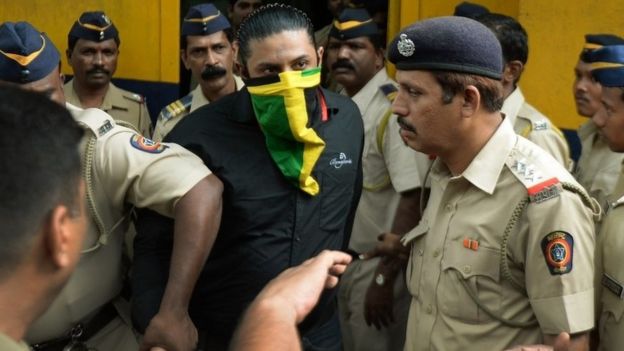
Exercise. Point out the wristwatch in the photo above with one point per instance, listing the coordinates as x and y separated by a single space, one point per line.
380 279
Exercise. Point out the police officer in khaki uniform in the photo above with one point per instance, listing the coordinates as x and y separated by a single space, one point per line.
92 52
598 167
43 214
121 169
526 119
505 250
208 52
372 291
607 65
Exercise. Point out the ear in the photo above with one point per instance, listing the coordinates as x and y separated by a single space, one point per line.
58 236
379 58
512 72
184 59
471 102
68 54
319 55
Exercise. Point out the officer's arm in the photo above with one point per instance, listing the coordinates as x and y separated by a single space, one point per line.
197 219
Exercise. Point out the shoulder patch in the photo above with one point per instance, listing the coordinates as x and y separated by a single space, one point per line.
539 187
389 90
558 249
96 120
134 97
177 107
147 145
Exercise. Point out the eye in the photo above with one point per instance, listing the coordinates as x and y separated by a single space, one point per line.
300 65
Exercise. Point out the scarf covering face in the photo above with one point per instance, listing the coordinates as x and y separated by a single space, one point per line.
283 112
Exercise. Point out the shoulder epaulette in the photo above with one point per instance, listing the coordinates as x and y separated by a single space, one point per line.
134 97
389 90
177 107
96 120
540 186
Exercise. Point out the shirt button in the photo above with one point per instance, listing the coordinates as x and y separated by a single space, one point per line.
436 253
467 269
297 238
429 309
420 252
449 207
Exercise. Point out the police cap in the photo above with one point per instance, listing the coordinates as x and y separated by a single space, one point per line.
93 26
596 41
26 55
204 19
607 65
353 23
456 44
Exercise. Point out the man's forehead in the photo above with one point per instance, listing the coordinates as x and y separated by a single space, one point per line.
86 43
201 40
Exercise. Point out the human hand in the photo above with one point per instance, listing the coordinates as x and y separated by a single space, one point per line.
378 304
299 288
170 331
562 343
389 245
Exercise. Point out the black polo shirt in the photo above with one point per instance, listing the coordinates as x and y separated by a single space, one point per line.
268 224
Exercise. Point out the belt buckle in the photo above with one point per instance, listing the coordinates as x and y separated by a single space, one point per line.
75 344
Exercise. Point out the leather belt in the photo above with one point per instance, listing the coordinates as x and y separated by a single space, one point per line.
74 339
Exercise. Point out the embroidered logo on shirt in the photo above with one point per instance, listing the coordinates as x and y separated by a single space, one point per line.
340 161
558 250
142 143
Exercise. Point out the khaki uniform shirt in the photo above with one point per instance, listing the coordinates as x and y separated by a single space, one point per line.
609 273
455 251
122 105
8 344
126 170
533 125
387 172
598 167
173 113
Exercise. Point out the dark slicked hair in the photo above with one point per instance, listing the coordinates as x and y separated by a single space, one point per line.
269 20
40 163
453 83
511 35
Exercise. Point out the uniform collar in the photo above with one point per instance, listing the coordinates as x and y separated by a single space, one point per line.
365 96
587 131
512 105
114 99
485 169
8 344
200 100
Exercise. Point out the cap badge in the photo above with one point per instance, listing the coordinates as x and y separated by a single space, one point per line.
405 45
106 19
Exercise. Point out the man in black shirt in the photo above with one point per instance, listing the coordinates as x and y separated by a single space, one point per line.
289 156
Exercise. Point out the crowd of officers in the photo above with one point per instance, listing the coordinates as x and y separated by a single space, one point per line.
479 239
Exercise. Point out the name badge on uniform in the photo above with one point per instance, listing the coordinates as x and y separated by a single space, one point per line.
613 285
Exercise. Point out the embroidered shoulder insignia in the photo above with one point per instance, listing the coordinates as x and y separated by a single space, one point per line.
539 187
147 145
540 125
389 90
96 120
558 249
134 97
177 107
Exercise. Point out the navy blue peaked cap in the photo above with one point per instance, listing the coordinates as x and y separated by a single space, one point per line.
94 26
607 65
596 41
470 10
456 44
353 23
204 19
26 55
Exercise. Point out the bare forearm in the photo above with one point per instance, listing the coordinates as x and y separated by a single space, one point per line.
578 342
408 211
197 220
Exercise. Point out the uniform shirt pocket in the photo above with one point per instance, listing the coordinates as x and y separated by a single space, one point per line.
467 272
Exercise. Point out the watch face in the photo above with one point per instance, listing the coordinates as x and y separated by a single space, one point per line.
379 279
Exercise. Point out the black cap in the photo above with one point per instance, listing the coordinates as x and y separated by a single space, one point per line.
470 10
596 41
204 19
451 43
93 26
353 23
26 55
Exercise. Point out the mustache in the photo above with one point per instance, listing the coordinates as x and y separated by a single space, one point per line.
212 72
343 63
97 70
406 125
